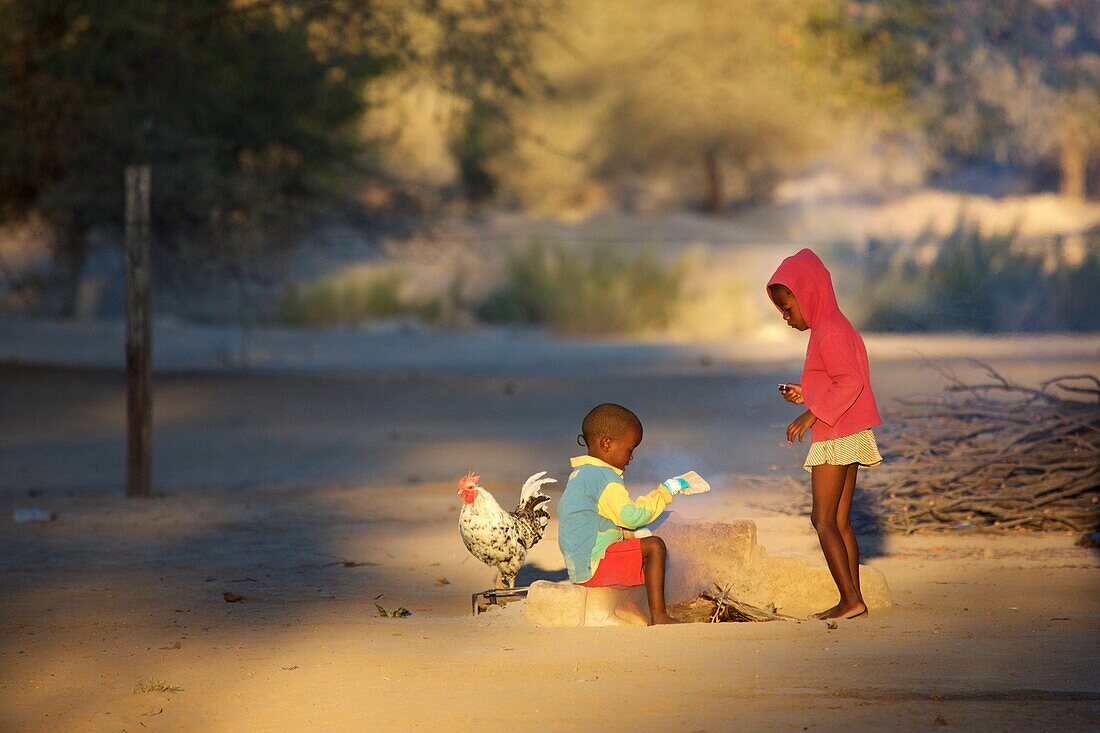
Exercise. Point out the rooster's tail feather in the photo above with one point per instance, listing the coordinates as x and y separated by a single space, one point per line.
533 486
531 520
532 505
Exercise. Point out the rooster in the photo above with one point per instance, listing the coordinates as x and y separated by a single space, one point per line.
498 538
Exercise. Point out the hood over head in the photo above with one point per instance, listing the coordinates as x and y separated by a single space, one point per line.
805 275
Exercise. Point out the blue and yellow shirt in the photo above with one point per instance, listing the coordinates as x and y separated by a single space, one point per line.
595 509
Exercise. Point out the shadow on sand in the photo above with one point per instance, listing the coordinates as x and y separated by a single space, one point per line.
528 574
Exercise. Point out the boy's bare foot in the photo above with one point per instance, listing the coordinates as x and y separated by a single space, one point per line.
663 619
857 609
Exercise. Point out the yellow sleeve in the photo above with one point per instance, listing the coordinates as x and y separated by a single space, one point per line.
615 504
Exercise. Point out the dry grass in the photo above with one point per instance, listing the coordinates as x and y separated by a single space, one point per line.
154 685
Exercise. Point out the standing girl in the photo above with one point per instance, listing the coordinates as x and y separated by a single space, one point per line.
840 412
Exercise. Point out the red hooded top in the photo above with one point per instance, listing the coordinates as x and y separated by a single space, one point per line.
836 378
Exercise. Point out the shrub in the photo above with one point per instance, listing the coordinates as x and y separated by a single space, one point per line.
353 302
975 282
604 290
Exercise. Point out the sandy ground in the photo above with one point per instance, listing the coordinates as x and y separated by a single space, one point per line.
319 492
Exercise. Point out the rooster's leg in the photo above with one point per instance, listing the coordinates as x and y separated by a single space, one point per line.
501 581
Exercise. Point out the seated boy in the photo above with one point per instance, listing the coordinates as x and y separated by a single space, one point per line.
595 509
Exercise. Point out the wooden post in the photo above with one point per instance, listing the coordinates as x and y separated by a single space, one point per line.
139 409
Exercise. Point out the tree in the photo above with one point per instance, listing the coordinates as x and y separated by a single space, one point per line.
648 88
1013 81
240 107
247 109
479 56
711 84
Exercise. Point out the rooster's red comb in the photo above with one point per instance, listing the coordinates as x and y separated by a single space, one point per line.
468 481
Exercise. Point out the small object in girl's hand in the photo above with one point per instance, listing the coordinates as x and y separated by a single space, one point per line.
783 387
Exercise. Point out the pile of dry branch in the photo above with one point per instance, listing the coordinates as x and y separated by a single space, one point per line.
987 456
718 607
994 454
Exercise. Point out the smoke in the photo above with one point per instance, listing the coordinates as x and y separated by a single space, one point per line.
663 462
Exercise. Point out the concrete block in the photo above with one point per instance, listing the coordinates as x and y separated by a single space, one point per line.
555 604
702 553
565 604
705 553
797 587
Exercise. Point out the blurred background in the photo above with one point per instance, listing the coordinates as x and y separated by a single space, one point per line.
397 240
617 168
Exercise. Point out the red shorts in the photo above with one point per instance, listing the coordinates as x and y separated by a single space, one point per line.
621 565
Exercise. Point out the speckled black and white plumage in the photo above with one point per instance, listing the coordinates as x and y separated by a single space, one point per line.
501 539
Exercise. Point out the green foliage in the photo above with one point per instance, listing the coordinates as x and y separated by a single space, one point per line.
881 51
977 282
604 290
478 57
1014 82
247 111
242 110
709 93
1075 292
231 106
484 134
353 302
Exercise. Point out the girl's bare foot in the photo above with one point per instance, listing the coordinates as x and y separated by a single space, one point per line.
663 619
856 609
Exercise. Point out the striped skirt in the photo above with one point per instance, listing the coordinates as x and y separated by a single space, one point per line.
859 448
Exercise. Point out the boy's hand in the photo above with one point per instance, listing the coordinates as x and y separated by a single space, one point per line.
801 424
792 394
675 485
686 483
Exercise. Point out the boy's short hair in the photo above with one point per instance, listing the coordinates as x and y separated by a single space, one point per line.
608 419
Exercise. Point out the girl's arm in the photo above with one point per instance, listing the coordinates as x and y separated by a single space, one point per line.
845 382
801 424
